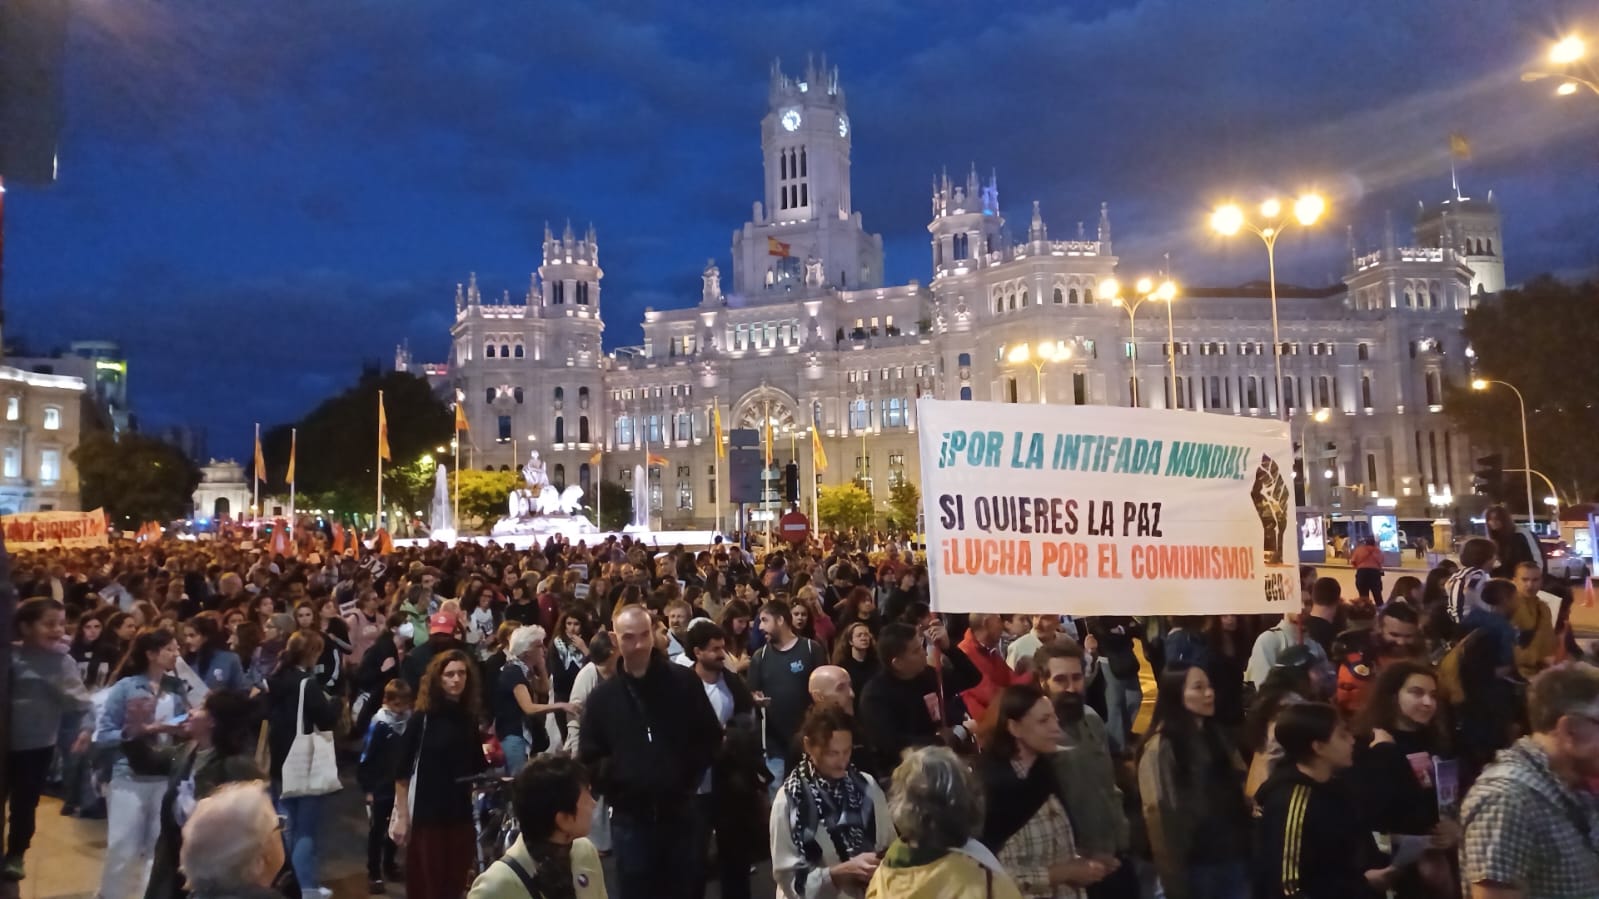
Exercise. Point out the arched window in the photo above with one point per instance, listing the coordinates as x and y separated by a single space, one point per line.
585 478
894 412
1059 299
560 429
999 303
558 476
1365 391
505 351
1490 246
965 360
560 396
959 247
516 393
488 394
1011 302
1088 294
488 351
583 429
1073 296
518 351
1024 298
966 393
558 293
582 293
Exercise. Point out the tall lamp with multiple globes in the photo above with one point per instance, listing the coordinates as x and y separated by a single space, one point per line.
1038 357
1144 290
1229 219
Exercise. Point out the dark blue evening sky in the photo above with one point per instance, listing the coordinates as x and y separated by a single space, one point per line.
256 195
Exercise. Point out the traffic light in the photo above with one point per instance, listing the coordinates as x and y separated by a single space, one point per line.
791 483
1489 478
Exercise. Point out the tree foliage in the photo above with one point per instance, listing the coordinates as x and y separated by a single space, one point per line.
616 506
137 477
845 507
905 505
483 495
1539 338
338 442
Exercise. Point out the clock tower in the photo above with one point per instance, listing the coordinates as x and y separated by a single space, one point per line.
806 216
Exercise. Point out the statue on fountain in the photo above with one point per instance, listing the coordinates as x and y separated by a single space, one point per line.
538 507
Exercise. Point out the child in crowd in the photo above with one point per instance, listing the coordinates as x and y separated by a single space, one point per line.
380 756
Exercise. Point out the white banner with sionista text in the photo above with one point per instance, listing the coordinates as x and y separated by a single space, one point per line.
1097 510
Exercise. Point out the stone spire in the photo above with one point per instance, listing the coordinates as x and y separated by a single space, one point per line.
1104 228
1036 232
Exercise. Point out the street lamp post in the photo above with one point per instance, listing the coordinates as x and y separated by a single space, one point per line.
1229 219
1526 454
1144 290
1320 417
1563 57
1038 358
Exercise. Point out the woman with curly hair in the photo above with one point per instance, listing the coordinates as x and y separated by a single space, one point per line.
433 798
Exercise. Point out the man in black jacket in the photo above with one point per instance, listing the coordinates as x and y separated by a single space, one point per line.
907 704
649 734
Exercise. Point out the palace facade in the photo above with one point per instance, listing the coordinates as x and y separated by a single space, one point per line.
806 333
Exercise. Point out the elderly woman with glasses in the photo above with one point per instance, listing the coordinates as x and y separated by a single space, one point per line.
233 844
936 805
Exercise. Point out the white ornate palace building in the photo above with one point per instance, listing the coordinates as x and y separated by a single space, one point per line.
807 332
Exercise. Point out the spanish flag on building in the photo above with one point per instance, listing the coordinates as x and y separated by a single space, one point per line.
818 455
775 247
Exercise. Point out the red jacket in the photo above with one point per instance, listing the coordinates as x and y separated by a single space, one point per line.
996 676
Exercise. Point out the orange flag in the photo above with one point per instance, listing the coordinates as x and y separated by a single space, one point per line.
260 460
280 540
385 543
383 432
652 459
460 417
338 539
294 446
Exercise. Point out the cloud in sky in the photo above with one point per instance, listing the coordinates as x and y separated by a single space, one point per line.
266 194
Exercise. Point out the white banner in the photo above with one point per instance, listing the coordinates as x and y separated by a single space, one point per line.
1097 510
49 530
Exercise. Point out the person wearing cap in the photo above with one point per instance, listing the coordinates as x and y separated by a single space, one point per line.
440 638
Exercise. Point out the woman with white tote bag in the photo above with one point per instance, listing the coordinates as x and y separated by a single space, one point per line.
300 723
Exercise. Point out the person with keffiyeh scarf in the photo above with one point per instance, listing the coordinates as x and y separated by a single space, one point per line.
830 821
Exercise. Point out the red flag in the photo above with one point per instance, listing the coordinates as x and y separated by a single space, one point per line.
338 539
385 543
280 540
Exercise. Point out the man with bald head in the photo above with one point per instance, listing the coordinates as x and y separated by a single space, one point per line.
648 736
830 685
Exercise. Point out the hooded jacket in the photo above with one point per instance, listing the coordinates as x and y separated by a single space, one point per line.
1314 844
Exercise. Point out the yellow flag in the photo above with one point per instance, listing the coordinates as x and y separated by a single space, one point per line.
1459 146
818 455
294 441
460 417
768 440
260 460
716 431
383 432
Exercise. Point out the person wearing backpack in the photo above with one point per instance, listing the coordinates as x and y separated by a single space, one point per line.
779 676
552 858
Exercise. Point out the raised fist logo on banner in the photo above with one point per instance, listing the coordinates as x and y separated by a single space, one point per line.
1270 495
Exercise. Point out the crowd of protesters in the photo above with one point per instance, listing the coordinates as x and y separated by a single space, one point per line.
688 715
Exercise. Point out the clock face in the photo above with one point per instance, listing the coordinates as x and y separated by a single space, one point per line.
791 119
843 126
